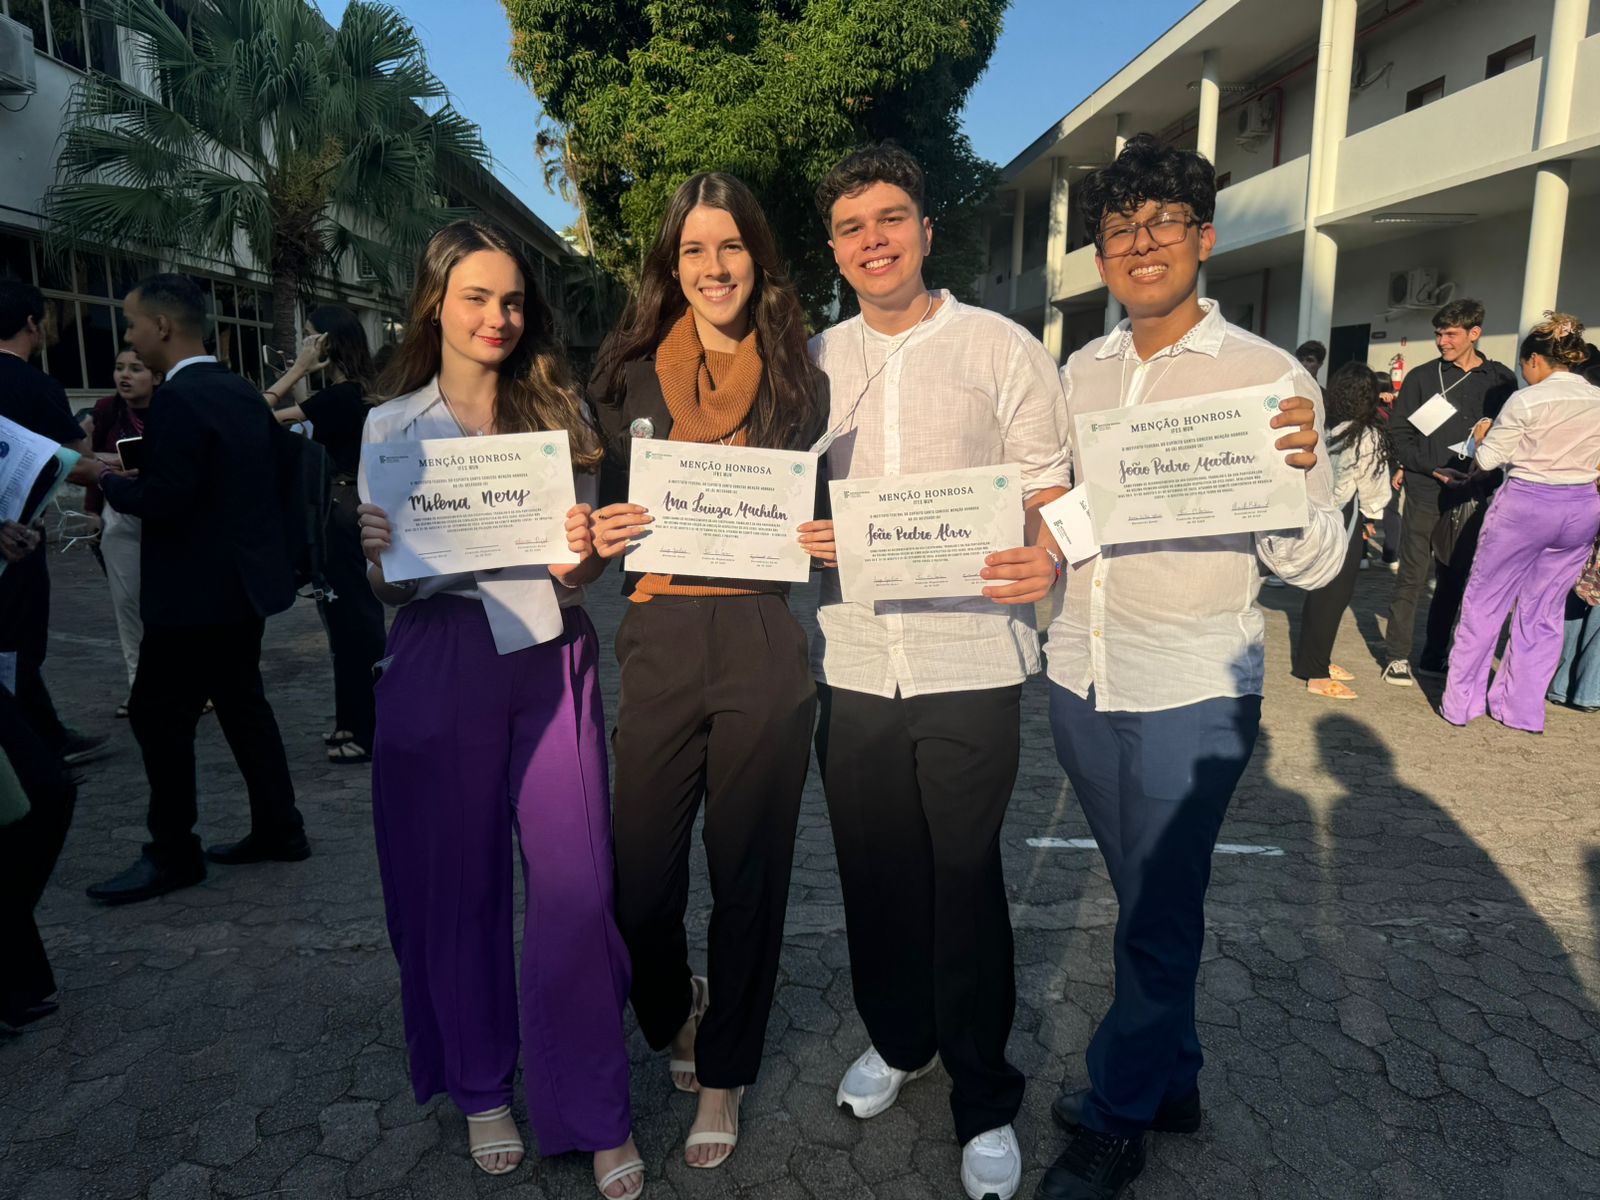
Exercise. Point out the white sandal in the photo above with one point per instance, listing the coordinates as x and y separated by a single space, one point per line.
636 1167
716 1137
702 1001
482 1150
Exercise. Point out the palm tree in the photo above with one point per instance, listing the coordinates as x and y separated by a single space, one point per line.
263 127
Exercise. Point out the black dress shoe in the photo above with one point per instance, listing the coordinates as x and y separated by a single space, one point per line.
80 747
1094 1166
254 849
25 1014
1174 1116
145 881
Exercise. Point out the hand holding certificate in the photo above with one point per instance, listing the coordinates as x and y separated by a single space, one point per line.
472 504
915 537
721 511
1197 467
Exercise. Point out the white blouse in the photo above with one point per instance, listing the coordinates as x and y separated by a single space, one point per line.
1549 433
523 603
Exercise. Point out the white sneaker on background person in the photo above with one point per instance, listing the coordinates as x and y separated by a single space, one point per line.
991 1165
872 1085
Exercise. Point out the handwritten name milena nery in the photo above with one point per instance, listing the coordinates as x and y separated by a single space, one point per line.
490 498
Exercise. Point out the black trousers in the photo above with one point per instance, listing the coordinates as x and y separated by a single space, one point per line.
1324 609
26 630
716 702
28 852
179 668
1416 561
1391 528
353 619
917 789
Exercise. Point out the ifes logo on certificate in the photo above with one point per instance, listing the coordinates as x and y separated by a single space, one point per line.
455 506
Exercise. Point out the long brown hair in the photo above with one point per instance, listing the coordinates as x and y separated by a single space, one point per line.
536 391
344 345
787 411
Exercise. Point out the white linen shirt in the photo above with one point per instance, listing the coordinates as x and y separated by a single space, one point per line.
1359 472
1161 624
1549 432
523 603
966 388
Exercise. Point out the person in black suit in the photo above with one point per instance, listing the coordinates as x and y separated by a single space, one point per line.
214 564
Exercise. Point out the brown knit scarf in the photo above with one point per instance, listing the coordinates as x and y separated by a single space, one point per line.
709 396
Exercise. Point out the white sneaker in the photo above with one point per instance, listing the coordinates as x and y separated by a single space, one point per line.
872 1085
991 1165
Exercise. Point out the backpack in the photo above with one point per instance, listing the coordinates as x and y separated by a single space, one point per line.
305 493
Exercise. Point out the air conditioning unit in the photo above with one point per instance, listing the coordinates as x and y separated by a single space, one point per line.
1418 288
16 59
1255 117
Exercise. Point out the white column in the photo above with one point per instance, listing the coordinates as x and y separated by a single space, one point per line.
1055 259
1113 308
1547 230
1210 98
1016 243
1320 255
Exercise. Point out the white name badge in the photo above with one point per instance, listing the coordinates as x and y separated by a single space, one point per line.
1069 519
1433 414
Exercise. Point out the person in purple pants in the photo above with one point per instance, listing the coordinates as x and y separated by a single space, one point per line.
490 723
1538 533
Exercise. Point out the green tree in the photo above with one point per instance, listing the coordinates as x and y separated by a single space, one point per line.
647 92
310 146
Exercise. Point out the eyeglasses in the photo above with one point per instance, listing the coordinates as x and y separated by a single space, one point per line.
1165 229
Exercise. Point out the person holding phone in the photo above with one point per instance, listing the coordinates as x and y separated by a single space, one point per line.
118 433
716 700
335 345
490 723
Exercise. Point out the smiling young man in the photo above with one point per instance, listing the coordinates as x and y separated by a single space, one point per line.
919 735
1475 387
1156 658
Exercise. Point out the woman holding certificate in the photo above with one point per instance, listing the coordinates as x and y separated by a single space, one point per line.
491 694
717 700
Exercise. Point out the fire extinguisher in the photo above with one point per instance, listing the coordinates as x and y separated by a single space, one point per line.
1397 372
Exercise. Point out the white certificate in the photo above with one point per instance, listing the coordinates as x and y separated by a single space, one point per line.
918 537
472 504
1189 468
1433 414
730 512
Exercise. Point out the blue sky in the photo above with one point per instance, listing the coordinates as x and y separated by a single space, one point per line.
1051 55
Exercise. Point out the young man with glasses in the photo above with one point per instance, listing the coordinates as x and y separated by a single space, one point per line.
920 730
1443 508
1156 658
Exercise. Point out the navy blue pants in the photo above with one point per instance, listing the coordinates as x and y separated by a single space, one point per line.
1154 787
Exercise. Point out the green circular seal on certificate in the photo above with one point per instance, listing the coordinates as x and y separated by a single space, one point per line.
1001 483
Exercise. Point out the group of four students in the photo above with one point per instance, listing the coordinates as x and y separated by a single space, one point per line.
489 715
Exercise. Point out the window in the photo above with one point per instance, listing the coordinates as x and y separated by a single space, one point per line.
1223 181
1515 55
64 30
243 325
1426 94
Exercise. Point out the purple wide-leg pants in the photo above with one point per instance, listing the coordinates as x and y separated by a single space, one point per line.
1536 539
470 745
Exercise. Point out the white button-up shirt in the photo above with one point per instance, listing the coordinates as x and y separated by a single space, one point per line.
1154 625
1548 433
523 603
966 388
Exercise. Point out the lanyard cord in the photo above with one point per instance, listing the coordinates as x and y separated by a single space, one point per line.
821 445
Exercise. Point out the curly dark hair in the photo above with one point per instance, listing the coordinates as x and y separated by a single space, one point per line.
882 163
1353 396
1149 169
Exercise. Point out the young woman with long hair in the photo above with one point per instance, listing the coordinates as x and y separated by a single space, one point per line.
717 701
490 693
1363 461
1537 536
118 417
333 343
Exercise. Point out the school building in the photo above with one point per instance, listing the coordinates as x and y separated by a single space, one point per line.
1376 158
45 45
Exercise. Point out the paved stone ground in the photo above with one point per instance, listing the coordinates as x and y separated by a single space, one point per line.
1399 1004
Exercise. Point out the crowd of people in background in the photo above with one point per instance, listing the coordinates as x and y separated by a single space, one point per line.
484 688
